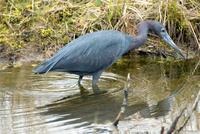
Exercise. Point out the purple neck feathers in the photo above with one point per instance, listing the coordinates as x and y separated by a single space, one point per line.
140 39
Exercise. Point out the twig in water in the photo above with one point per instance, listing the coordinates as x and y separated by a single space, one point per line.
125 102
190 114
174 123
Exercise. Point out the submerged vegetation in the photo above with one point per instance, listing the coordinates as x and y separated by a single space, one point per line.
43 26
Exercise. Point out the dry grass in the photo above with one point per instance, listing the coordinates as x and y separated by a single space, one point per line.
46 25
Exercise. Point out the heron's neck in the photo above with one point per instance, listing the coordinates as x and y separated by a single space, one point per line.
141 37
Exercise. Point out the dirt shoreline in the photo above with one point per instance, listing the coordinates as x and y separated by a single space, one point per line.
30 55
34 57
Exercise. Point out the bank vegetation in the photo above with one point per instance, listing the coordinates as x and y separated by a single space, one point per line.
43 26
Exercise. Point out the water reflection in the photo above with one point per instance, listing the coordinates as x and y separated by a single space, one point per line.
53 103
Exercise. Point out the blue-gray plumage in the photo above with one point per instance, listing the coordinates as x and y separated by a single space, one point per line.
92 53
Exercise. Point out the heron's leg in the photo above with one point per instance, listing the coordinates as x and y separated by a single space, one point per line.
83 91
95 79
79 80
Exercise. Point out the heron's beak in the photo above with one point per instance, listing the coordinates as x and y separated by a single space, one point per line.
171 43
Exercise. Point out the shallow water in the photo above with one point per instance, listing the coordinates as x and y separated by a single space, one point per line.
53 103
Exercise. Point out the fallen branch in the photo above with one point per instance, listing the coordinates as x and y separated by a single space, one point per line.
174 123
125 102
190 114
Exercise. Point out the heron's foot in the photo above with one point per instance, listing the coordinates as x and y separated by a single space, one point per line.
96 90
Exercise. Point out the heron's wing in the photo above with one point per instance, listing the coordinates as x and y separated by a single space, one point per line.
48 65
88 53
89 58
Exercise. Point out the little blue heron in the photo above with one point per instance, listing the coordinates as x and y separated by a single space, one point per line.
92 53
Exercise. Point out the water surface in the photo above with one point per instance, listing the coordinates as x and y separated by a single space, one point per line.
53 103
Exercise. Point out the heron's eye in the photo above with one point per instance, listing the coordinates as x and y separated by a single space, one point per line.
162 30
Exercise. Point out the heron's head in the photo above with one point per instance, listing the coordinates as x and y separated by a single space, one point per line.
160 30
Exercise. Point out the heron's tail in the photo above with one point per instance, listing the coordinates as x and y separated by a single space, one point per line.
43 67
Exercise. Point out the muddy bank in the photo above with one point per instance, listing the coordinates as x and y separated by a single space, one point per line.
30 57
